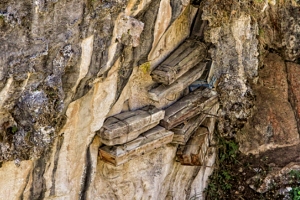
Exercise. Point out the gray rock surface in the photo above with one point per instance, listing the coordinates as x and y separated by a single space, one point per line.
67 65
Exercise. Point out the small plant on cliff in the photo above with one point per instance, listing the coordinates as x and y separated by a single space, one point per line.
221 180
295 193
295 174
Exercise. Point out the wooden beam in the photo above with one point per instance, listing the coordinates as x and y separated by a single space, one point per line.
148 141
163 91
185 57
193 153
199 101
210 123
127 126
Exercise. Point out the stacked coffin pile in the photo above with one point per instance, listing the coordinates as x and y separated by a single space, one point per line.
192 120
131 134
194 151
179 70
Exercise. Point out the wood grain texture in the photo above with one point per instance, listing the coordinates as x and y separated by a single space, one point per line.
193 153
151 139
199 101
185 57
127 126
183 131
163 91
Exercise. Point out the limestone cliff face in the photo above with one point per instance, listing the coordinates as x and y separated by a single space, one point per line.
68 65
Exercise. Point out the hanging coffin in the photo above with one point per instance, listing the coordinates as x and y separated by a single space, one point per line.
150 140
127 126
185 57
183 131
199 101
163 91
193 153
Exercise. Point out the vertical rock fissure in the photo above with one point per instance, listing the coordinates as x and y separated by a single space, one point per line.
60 140
188 191
38 183
26 181
292 98
87 175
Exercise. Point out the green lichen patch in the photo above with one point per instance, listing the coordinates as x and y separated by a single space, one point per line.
145 67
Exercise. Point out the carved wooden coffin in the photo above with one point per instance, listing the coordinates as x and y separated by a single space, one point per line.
127 126
163 91
152 139
199 101
193 153
183 131
185 57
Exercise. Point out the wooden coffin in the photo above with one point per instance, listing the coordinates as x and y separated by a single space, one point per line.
198 101
183 131
193 153
185 57
127 126
152 139
163 91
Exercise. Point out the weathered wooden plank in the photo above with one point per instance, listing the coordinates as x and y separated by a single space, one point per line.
162 91
127 126
150 140
199 27
193 153
198 101
183 131
185 57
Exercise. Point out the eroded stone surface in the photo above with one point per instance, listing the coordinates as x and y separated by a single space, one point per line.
70 64
281 177
293 71
14 178
234 61
273 121
157 177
